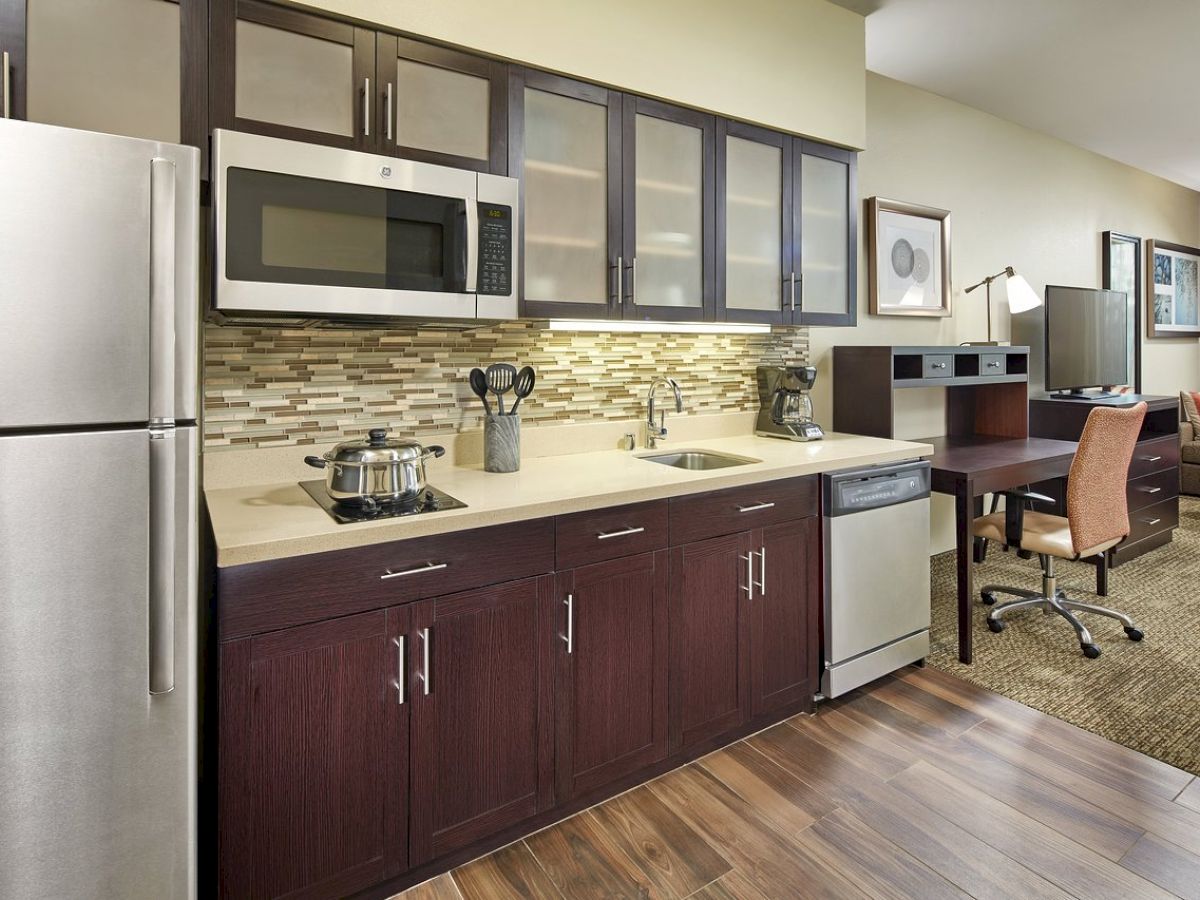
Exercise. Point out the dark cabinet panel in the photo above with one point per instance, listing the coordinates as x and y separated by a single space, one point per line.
313 759
482 747
709 644
611 692
783 617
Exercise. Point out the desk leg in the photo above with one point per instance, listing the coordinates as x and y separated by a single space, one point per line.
964 508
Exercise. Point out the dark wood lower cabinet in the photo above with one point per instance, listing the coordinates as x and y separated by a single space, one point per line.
482 738
313 759
611 691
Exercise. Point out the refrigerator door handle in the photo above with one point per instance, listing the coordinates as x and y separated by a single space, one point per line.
162 561
162 291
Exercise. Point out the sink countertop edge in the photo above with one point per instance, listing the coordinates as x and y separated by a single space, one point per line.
276 521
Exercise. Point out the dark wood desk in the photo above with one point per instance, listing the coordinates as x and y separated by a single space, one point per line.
967 467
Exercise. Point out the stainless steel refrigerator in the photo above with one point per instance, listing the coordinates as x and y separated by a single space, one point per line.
98 516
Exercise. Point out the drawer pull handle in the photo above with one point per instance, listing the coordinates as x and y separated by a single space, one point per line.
428 567
937 365
993 365
1151 521
755 507
1150 490
605 535
1151 458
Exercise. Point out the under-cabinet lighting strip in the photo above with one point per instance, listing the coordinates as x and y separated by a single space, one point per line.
657 327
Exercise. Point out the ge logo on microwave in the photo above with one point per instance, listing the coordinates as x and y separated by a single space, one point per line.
385 171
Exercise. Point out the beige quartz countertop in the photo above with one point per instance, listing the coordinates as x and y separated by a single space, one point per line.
272 521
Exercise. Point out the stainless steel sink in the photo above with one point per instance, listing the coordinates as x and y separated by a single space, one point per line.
698 460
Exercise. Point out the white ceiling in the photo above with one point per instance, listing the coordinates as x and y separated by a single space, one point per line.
1119 77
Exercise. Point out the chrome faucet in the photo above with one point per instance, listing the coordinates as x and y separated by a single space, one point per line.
655 431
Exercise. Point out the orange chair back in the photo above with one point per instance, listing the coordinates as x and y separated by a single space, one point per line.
1096 507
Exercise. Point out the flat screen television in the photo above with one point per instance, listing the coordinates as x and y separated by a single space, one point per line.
1087 339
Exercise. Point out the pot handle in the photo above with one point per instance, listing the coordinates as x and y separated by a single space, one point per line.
435 450
317 462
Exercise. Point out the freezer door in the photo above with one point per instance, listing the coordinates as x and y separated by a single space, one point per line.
98 278
97 773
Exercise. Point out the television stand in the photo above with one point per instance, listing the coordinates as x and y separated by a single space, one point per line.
1078 394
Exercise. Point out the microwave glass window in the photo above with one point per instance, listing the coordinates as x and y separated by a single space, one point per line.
442 111
292 230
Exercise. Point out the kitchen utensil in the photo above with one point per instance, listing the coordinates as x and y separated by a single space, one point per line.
523 386
480 386
375 470
502 443
500 377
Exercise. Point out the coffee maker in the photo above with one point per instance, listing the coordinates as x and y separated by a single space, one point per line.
785 409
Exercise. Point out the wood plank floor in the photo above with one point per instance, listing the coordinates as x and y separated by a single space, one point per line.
920 786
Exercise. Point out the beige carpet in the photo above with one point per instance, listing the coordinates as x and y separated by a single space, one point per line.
1143 695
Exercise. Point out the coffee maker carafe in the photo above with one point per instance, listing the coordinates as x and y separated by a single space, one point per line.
785 408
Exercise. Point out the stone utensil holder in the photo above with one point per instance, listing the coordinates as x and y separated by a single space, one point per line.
501 443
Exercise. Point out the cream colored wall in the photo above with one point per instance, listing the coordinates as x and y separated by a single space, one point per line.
1017 198
797 65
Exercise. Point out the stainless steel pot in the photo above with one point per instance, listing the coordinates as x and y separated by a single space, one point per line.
375 470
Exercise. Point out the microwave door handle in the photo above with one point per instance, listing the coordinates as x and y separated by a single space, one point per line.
472 245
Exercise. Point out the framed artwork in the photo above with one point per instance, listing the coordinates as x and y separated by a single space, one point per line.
908 259
1172 290
1122 263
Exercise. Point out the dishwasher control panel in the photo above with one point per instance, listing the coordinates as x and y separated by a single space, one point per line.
857 491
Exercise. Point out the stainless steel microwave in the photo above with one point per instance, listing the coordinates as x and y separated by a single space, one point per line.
310 232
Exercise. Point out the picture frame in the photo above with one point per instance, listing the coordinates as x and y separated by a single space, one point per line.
1172 290
1122 271
908 259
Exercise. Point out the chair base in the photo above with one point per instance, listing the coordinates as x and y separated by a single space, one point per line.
1053 600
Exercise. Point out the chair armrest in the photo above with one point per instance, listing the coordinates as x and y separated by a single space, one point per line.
1021 494
1014 513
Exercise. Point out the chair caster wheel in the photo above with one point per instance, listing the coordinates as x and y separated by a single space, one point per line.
995 625
1135 634
987 597
1091 651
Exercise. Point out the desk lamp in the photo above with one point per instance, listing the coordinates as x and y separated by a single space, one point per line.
1021 297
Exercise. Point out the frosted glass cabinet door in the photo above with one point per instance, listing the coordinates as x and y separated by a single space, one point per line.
754 183
828 227
669 170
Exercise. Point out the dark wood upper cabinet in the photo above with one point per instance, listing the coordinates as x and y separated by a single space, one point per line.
441 106
313 759
482 735
825 234
611 689
565 146
12 57
285 73
783 617
709 638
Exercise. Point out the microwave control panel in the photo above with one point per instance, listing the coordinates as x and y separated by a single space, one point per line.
495 249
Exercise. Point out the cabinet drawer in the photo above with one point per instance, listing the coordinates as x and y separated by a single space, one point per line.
939 365
702 516
597 535
1150 520
266 596
1153 488
993 364
1154 456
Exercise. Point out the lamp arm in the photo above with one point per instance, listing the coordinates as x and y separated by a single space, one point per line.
988 280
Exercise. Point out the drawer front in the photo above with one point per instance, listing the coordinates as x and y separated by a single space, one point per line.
702 516
1151 489
1154 456
261 597
993 364
939 365
597 535
1150 520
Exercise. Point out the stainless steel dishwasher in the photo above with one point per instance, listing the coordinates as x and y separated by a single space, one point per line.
876 531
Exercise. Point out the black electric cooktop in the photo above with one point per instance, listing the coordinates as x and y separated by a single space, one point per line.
430 500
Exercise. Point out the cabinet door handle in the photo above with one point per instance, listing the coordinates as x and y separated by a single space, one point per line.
398 684
605 535
755 507
387 111
620 267
793 280
800 305
761 584
426 640
633 281
1151 458
7 85
1150 490
748 587
428 567
569 637
366 107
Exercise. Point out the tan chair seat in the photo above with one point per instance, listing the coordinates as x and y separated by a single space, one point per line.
1042 533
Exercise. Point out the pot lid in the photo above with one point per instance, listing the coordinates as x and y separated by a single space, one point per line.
377 447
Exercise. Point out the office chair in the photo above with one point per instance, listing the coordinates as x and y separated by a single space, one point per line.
1097 520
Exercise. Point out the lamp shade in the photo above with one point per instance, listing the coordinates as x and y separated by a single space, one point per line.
1021 296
